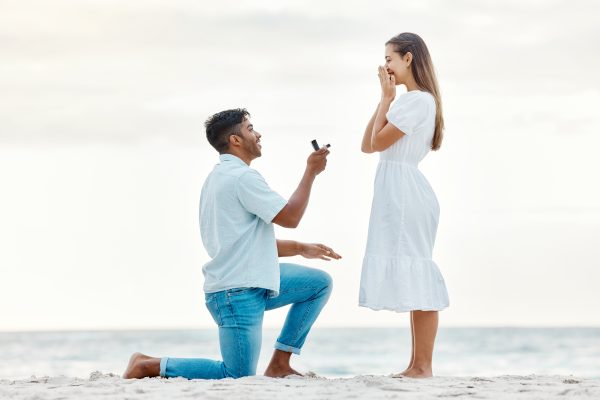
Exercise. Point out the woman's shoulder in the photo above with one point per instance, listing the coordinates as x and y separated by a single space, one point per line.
411 110
415 99
418 96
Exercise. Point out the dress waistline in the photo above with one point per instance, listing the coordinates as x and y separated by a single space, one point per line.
413 165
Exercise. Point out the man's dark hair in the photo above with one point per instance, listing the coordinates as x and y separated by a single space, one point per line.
222 125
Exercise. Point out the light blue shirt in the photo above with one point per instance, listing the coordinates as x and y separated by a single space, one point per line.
236 210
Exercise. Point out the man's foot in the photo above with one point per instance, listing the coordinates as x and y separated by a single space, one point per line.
279 367
142 366
416 372
280 372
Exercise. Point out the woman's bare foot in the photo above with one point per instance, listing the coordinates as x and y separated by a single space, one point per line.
142 366
401 374
417 372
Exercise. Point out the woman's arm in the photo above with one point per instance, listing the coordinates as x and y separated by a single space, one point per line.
366 142
384 134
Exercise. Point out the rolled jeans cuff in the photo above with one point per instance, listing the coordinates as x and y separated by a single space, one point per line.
286 348
163 367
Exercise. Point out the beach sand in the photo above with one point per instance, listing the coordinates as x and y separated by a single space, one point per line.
111 386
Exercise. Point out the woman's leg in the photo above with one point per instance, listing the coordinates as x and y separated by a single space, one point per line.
425 325
412 349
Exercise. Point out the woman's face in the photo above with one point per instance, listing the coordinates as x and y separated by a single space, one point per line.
396 65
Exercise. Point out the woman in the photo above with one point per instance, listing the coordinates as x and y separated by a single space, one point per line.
398 273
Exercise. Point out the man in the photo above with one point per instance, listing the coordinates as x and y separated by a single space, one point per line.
244 277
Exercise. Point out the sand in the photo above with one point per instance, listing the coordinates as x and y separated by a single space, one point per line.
111 386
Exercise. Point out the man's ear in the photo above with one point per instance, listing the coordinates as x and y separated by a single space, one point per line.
234 140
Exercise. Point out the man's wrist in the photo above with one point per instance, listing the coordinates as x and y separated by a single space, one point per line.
299 248
310 174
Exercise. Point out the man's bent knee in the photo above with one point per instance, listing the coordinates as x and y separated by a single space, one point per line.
323 281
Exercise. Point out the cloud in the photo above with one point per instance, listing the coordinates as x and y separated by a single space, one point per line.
111 71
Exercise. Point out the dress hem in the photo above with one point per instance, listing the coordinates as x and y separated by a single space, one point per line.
401 309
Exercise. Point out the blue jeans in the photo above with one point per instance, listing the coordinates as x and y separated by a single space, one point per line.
239 315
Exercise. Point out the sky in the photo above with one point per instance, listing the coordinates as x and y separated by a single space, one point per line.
103 153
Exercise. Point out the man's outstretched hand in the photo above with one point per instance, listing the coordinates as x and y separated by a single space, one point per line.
317 250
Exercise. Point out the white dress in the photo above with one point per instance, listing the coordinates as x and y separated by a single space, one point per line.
398 273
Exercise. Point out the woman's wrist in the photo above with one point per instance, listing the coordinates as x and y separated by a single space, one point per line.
386 100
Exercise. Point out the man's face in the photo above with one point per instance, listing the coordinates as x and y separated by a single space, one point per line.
250 139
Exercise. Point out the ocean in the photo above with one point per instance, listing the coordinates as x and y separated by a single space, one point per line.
329 352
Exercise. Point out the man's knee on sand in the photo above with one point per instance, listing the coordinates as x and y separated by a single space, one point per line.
240 372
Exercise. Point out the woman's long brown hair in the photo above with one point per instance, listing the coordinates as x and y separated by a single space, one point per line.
424 74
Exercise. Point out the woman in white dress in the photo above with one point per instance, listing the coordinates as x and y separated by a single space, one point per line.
398 272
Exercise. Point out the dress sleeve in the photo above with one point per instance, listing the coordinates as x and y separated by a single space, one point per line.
409 112
257 197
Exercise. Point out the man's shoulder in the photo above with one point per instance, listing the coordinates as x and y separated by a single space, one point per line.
250 174
224 170
223 177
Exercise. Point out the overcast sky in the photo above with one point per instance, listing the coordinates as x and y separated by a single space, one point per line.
103 154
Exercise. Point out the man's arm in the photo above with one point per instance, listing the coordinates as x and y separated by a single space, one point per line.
292 212
290 248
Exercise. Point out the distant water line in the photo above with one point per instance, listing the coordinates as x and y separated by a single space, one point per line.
333 352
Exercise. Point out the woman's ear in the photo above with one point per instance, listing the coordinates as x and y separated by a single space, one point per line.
408 57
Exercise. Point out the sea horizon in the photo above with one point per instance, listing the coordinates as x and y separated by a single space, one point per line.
329 352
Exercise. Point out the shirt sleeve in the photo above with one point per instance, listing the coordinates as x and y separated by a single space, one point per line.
409 112
257 197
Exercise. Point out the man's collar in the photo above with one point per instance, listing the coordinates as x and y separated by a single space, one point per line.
231 157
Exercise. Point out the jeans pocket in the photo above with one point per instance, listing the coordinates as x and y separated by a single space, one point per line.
212 304
238 291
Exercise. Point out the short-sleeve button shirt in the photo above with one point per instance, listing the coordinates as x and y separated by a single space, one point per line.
237 208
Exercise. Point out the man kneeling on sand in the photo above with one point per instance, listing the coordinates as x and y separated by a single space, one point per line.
244 277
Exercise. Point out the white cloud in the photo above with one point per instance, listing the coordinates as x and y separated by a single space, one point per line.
102 147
